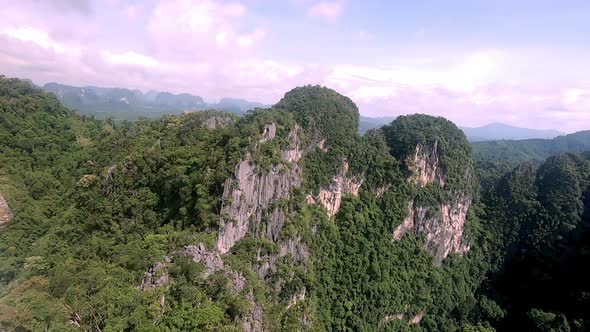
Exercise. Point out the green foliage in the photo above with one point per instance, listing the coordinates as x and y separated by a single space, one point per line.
323 113
405 133
531 149
537 234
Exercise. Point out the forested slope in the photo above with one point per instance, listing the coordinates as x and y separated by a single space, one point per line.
531 149
283 219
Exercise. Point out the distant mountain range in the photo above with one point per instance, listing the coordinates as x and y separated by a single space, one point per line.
498 131
126 104
515 151
491 132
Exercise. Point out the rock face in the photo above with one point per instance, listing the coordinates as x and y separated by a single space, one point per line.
442 224
268 132
215 122
331 197
5 212
250 193
426 167
249 207
157 275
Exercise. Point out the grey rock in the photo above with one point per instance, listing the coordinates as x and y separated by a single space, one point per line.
442 224
268 132
247 196
331 197
215 122
253 320
5 212
426 166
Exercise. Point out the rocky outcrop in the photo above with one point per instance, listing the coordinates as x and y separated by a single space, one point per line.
268 132
5 212
412 320
379 192
426 167
249 194
215 122
296 298
322 145
331 197
293 247
443 226
158 276
251 320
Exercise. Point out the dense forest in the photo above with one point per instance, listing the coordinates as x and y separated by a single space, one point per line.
284 219
536 150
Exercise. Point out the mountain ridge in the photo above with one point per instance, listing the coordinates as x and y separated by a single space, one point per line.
128 104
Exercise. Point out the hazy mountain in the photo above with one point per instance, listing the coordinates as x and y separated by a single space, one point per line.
497 131
532 149
126 104
237 106
367 123
491 132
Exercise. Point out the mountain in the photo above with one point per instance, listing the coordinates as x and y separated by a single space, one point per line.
368 123
283 219
532 149
490 132
126 104
499 131
237 106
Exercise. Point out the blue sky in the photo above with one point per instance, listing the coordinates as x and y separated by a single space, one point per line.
524 63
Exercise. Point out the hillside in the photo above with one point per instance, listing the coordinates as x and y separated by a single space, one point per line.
279 220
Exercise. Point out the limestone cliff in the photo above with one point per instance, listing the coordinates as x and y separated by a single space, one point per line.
249 194
442 224
426 167
331 196
250 206
5 212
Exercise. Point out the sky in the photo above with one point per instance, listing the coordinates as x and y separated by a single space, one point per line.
523 63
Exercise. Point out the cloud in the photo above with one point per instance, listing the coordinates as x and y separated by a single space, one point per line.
226 49
198 30
247 40
330 11
133 11
82 6
130 58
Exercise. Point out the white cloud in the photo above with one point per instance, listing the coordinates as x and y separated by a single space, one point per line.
203 30
130 58
330 11
218 49
30 34
249 39
572 96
